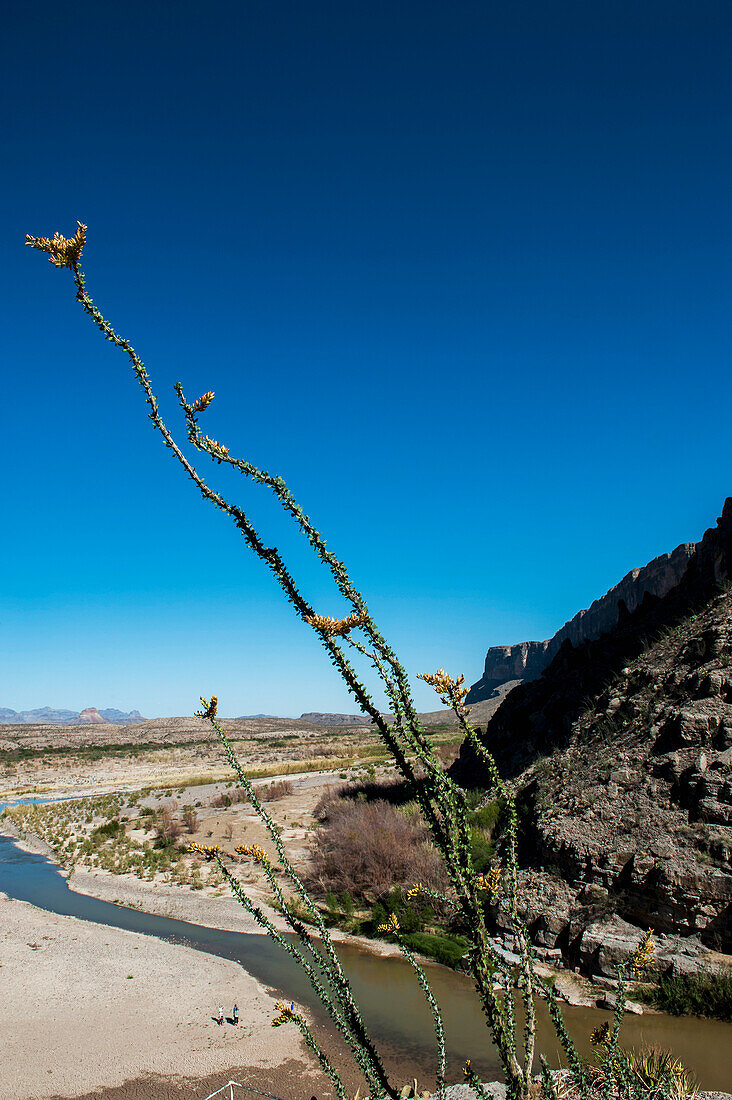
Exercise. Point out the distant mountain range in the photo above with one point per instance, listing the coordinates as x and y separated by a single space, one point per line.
49 716
328 719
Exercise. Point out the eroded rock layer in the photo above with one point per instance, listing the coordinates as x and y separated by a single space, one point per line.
527 660
622 752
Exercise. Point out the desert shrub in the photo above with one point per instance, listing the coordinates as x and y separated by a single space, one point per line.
447 753
383 909
487 817
413 911
274 791
703 994
378 917
167 828
347 903
448 950
394 791
649 1074
190 820
221 801
332 902
367 848
109 828
328 800
482 850
474 797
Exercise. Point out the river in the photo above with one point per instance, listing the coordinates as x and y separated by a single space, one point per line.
391 1000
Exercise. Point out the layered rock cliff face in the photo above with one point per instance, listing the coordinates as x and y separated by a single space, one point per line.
622 754
524 661
527 660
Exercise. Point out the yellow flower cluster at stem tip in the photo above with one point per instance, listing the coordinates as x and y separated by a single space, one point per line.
254 851
600 1035
62 251
451 691
643 956
414 890
468 1069
336 628
214 445
491 882
391 926
286 1012
209 708
203 402
209 851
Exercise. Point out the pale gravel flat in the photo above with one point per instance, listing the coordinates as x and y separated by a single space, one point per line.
85 1007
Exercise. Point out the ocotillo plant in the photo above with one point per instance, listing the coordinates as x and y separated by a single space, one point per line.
442 801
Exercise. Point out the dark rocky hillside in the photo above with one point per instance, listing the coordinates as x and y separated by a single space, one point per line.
527 660
622 752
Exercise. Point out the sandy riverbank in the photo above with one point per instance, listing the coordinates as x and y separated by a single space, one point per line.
182 903
225 913
86 1008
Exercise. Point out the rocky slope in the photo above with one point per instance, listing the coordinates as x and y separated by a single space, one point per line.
622 752
527 660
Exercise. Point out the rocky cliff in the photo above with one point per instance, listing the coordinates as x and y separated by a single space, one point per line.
622 753
527 660
524 661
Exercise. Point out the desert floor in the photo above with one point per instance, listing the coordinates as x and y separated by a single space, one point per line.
86 1009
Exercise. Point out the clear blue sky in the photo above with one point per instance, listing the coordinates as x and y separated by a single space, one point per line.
460 272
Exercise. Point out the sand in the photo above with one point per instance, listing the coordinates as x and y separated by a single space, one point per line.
85 1008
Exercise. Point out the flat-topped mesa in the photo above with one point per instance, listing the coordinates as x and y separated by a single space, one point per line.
504 663
90 715
527 660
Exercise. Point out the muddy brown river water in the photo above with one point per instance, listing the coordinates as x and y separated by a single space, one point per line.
391 1000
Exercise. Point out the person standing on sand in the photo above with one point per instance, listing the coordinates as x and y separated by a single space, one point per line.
221 1017
236 1014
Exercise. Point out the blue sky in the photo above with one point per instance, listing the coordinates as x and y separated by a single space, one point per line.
459 272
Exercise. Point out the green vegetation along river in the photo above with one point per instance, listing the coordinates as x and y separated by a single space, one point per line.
385 987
